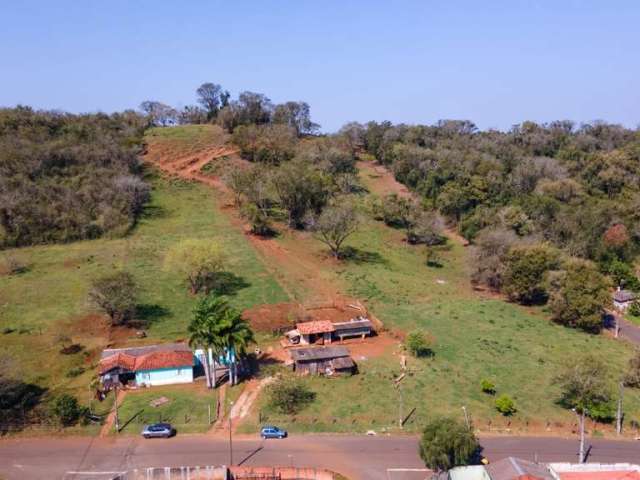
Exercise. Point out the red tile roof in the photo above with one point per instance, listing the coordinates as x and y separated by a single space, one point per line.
601 475
318 326
156 360
148 361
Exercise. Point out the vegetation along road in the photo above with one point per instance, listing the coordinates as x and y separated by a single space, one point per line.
358 457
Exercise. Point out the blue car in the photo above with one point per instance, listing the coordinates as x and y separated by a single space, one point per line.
272 432
158 430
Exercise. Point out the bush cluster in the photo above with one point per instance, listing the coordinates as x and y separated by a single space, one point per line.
67 177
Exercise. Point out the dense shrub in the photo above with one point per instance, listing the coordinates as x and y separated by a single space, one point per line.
526 266
579 296
505 405
66 410
289 395
487 386
67 177
419 344
447 443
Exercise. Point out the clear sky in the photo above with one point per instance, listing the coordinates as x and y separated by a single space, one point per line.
494 62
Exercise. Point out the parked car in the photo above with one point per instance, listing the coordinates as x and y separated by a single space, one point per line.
158 430
272 432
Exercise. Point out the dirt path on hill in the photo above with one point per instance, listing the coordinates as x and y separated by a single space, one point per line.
298 270
382 182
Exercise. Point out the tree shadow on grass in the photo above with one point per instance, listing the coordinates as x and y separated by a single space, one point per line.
147 313
19 400
227 283
153 211
358 256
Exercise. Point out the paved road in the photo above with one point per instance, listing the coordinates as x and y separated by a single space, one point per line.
358 457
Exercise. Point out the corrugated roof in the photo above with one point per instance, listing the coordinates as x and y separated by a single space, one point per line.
624 296
342 363
137 351
318 326
600 475
512 468
318 353
352 324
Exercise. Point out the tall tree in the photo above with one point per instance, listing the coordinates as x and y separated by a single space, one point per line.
579 296
584 385
199 260
296 115
158 114
212 98
115 294
335 224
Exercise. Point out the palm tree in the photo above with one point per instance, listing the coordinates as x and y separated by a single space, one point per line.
219 327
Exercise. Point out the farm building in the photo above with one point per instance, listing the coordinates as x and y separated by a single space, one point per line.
356 327
622 299
322 360
146 366
316 331
323 331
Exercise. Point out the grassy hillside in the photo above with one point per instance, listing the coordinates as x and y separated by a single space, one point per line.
476 337
50 298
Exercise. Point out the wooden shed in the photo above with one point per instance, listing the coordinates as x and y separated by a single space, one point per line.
322 361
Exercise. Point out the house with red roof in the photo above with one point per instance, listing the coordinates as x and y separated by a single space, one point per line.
152 365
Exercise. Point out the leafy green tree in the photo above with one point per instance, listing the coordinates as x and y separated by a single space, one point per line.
526 266
490 251
426 228
296 115
335 224
212 97
632 376
505 405
447 443
199 260
270 144
217 326
289 395
419 344
301 189
584 385
579 296
116 295
66 410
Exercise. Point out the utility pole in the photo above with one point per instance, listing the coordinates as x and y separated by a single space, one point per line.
115 402
230 437
466 417
400 407
581 416
619 412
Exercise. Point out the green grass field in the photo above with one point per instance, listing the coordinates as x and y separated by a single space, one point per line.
187 409
50 298
476 337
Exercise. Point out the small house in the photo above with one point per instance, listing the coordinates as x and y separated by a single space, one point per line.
315 332
322 360
356 327
622 299
147 366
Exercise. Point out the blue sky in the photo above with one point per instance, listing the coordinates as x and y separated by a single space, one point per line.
496 63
